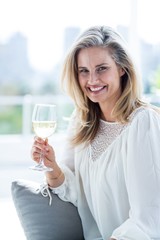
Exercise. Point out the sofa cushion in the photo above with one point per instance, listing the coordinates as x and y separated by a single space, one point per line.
41 221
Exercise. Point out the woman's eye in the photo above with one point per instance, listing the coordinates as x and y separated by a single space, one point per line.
84 71
100 69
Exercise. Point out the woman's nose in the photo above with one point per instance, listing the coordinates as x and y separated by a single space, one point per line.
93 78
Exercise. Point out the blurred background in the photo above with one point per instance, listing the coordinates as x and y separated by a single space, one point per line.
34 38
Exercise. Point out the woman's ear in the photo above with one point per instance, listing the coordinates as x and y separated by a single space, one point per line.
121 72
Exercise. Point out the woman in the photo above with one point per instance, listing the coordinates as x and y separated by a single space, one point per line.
111 169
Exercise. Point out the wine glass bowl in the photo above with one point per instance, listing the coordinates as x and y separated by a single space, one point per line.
44 129
44 125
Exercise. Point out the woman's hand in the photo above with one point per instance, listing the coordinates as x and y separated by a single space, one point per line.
40 146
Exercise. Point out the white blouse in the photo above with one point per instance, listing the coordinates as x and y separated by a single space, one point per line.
115 181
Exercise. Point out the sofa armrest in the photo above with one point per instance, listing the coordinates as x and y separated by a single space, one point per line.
39 220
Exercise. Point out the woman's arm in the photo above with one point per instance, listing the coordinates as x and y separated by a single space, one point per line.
142 174
62 179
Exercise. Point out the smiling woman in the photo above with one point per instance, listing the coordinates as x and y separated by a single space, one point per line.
44 23
112 145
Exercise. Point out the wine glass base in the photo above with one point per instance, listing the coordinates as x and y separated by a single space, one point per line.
41 168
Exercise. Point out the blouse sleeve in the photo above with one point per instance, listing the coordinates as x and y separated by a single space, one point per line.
67 191
142 174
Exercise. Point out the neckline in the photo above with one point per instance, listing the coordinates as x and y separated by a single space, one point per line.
130 117
109 123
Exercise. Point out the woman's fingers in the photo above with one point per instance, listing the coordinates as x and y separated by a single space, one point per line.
35 153
36 138
38 148
41 146
39 140
39 143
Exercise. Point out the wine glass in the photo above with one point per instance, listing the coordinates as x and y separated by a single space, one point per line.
44 125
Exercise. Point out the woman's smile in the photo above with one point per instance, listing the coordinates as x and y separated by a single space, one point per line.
97 90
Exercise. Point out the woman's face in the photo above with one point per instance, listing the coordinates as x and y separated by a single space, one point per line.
99 76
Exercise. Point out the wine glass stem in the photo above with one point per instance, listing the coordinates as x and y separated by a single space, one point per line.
41 163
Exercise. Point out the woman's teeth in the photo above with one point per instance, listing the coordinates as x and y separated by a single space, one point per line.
96 89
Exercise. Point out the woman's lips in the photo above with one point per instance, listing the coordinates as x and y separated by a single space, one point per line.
96 89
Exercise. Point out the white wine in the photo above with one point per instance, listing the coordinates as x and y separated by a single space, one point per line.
44 129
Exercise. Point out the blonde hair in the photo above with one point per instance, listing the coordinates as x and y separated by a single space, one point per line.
87 111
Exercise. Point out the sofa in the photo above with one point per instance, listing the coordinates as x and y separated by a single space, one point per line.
42 219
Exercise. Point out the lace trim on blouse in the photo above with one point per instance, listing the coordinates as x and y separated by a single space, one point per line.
107 133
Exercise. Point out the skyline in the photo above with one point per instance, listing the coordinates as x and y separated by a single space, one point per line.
43 23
